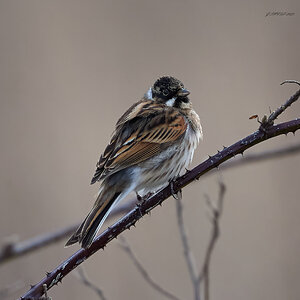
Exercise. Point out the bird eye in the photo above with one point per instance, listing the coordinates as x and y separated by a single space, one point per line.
165 92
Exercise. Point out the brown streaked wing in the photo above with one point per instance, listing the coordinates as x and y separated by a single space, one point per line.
135 110
161 126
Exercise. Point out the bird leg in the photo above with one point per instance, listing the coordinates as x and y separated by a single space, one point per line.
142 200
176 195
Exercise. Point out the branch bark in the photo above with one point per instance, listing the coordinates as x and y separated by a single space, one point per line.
129 220
13 248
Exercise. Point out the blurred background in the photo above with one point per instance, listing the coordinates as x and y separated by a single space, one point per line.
69 69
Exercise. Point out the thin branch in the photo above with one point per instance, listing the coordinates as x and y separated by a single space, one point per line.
188 255
13 248
84 279
125 246
263 156
274 115
132 217
216 214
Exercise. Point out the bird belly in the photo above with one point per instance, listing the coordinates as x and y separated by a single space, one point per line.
156 172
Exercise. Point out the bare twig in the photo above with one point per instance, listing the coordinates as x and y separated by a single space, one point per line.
188 255
204 273
132 217
81 275
274 115
13 248
216 214
125 246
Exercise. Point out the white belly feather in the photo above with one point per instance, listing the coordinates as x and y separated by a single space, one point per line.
171 163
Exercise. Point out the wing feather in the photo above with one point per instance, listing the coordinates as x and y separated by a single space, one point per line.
140 134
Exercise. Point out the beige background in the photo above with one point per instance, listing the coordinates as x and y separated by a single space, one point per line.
69 69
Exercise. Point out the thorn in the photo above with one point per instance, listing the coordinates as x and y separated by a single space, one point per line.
224 147
219 151
32 286
48 274
209 156
197 178
242 153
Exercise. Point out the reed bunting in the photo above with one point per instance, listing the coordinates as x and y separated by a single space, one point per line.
153 143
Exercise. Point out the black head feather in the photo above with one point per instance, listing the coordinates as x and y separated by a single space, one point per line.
166 87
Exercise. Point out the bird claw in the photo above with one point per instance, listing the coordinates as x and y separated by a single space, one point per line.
139 197
142 200
176 195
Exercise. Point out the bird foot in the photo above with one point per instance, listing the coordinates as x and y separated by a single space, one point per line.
142 200
176 195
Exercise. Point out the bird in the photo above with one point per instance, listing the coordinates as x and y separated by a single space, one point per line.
152 144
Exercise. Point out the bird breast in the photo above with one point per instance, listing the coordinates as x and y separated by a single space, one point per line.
156 172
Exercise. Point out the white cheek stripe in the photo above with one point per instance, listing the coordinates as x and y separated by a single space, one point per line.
171 102
149 94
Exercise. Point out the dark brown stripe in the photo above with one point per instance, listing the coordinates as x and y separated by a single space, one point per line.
158 133
167 132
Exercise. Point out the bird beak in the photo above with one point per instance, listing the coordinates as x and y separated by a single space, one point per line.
183 93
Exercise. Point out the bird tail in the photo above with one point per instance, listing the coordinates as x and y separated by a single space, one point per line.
108 197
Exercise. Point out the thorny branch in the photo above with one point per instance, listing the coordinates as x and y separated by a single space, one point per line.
263 156
125 246
14 249
132 217
269 121
274 115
